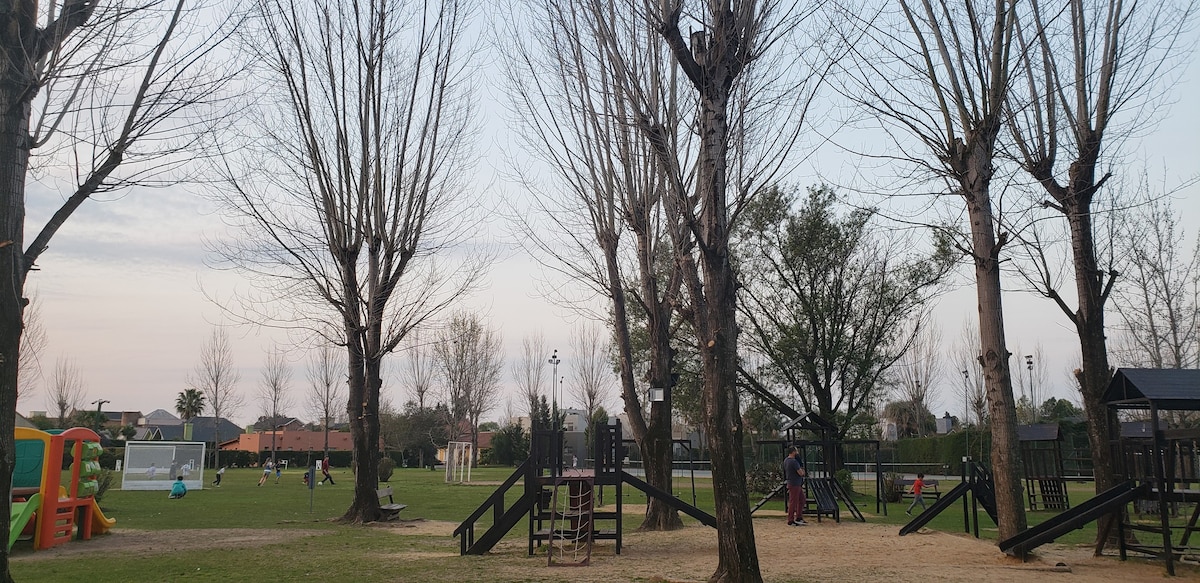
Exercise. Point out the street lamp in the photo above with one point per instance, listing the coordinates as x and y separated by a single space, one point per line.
99 403
1032 399
554 360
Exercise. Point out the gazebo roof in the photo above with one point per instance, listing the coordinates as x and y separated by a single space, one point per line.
1164 388
1039 432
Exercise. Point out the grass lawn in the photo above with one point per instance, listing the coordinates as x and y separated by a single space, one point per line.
338 552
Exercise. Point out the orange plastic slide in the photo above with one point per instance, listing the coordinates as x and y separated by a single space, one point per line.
100 522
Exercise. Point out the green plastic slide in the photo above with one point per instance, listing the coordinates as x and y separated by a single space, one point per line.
21 512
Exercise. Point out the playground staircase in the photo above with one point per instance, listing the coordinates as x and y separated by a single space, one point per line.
503 519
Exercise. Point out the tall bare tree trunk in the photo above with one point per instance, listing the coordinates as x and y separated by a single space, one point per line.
712 291
1010 505
14 162
14 127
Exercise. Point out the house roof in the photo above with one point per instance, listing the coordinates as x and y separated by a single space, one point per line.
1168 389
203 429
1039 432
161 417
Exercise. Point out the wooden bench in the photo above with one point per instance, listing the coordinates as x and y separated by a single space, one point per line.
391 510
929 491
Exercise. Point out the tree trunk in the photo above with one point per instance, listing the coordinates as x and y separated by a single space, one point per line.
364 432
714 305
14 159
653 438
1010 507
1095 375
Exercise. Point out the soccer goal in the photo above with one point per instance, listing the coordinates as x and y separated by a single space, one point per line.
458 461
153 465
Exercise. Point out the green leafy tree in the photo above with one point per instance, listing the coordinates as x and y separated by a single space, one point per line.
829 308
510 445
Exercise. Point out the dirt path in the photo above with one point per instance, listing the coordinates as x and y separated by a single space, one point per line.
826 552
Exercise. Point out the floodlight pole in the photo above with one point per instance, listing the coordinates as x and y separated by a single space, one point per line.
554 360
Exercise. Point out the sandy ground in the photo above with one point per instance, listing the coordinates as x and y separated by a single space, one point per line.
827 551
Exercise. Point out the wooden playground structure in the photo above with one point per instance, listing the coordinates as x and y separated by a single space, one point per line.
1158 470
560 503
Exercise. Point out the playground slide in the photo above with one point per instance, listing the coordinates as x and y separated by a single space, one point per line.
1074 519
943 503
21 513
704 517
100 522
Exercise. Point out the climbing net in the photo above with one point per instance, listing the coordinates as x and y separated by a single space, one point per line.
571 523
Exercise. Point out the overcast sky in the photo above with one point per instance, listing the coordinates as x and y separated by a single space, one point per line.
122 286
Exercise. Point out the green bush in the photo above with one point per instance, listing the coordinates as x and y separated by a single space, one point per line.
763 478
104 481
845 479
387 465
892 491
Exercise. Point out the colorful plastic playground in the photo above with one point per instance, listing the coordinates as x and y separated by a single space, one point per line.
54 487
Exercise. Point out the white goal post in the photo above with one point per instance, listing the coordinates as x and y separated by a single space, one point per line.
458 461
153 465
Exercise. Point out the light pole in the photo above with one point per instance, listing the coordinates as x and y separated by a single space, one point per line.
967 406
99 403
1032 400
554 360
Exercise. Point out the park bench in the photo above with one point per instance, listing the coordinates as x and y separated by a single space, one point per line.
391 510
929 491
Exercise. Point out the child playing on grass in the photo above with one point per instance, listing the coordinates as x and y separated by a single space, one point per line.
918 485
178 489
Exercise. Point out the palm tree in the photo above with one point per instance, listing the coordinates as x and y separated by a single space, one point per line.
189 404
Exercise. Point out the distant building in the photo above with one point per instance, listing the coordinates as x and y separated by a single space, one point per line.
946 424
288 440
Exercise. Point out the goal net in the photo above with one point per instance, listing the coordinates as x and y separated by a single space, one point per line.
153 465
458 461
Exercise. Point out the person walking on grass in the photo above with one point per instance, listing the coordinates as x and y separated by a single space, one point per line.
325 471
220 473
793 470
917 486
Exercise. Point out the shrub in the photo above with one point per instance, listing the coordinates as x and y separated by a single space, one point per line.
104 481
845 479
892 491
763 478
387 465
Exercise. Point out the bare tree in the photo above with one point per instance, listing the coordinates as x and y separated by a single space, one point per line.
942 78
1158 300
216 377
529 371
273 393
33 345
1082 68
613 91
733 36
65 393
920 367
591 368
86 102
326 384
470 361
972 389
420 370
580 122
350 197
